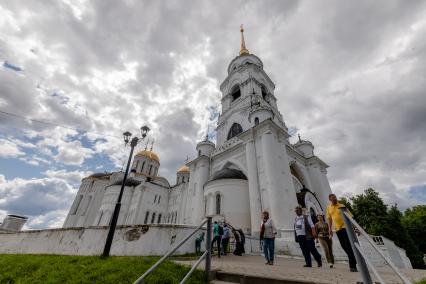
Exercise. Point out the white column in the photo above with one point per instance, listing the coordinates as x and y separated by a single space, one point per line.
254 194
282 197
202 176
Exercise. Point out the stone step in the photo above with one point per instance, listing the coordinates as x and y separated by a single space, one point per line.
250 279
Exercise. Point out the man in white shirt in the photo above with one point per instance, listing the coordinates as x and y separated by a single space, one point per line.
305 235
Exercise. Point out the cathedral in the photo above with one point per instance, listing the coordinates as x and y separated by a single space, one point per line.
252 167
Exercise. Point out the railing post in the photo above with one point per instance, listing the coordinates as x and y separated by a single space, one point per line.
208 248
366 278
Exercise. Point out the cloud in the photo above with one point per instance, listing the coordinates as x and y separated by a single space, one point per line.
9 149
349 77
71 177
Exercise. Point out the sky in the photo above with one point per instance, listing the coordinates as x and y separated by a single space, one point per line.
74 75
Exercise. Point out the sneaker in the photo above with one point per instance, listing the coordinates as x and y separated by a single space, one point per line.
331 265
307 265
271 263
319 264
266 263
354 269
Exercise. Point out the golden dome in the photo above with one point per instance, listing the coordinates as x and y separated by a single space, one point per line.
150 154
183 169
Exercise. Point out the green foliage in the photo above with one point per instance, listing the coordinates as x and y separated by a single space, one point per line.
414 221
346 202
370 211
423 281
394 230
88 269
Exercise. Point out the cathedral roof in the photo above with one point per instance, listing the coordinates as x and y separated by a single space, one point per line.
150 154
228 174
129 182
183 169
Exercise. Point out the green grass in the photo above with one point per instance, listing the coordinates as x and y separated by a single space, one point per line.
423 281
88 269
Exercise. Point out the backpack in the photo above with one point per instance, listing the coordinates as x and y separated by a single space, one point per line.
220 231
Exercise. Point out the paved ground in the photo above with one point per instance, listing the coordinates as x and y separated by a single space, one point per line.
290 268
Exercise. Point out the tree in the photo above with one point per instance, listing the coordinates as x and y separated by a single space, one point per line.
414 221
369 211
346 202
393 229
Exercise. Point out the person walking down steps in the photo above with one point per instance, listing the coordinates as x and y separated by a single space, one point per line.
324 238
225 238
305 235
217 237
335 220
267 234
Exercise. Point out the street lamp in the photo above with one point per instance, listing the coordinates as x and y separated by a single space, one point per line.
133 142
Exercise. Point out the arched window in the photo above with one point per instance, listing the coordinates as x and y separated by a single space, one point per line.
153 218
159 219
256 121
146 217
159 197
236 93
265 94
143 165
155 198
218 200
235 130
313 216
150 168
137 164
199 153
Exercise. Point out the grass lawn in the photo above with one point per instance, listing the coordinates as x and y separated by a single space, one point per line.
88 269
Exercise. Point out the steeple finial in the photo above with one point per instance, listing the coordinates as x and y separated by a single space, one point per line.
152 144
243 50
300 140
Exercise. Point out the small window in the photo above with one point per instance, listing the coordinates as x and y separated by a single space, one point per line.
143 165
159 219
153 218
236 93
137 164
155 198
100 217
76 205
159 197
265 94
256 121
150 168
146 217
234 130
87 206
199 153
218 200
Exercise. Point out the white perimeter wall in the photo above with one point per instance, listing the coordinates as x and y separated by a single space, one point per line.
128 240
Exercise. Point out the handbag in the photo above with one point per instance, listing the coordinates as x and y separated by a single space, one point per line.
295 235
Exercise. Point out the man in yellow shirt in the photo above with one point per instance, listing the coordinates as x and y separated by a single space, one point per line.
335 220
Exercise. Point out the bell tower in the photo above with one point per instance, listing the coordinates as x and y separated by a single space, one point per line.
247 96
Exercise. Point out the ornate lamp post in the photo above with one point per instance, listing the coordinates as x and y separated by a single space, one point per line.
133 142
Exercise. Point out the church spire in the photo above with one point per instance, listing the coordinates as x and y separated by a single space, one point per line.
243 50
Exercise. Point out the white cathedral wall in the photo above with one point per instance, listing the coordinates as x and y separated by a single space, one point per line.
128 240
234 201
319 185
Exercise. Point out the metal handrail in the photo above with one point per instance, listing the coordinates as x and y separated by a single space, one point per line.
358 247
349 221
194 267
161 260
